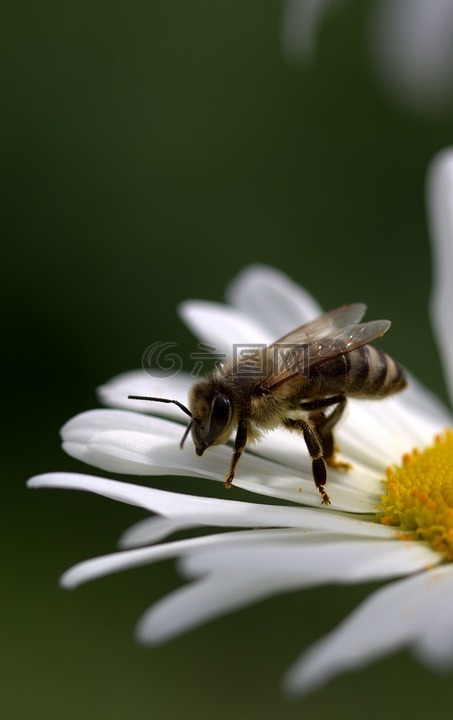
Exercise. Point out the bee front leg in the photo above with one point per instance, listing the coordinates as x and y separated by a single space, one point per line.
314 447
239 446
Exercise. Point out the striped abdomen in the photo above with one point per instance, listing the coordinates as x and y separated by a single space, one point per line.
364 372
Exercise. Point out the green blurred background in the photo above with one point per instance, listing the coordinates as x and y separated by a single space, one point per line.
151 150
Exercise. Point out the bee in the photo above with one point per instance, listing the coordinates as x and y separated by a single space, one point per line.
301 382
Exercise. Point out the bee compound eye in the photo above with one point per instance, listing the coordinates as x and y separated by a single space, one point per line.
221 408
220 416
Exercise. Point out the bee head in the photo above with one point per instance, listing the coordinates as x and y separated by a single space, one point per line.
212 416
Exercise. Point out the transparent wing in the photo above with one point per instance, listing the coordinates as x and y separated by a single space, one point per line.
325 325
299 351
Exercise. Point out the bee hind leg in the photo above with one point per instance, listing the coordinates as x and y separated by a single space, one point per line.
324 425
315 448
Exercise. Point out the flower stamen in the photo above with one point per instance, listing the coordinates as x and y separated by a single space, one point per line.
419 495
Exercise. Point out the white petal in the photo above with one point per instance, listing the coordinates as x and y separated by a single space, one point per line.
151 383
300 23
151 530
131 443
415 414
311 560
239 576
379 432
440 206
220 326
414 51
107 564
194 605
290 451
83 427
134 453
126 442
434 639
368 436
192 510
414 611
417 398
272 299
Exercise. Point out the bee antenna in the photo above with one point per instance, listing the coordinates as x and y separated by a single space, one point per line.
186 432
164 400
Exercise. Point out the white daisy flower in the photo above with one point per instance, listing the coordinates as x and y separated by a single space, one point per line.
410 41
391 516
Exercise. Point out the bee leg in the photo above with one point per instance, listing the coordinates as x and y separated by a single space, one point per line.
324 425
239 445
314 447
323 403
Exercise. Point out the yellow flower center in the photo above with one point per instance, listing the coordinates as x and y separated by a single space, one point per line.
419 495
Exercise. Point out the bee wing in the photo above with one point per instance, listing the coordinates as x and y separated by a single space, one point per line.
299 351
326 325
